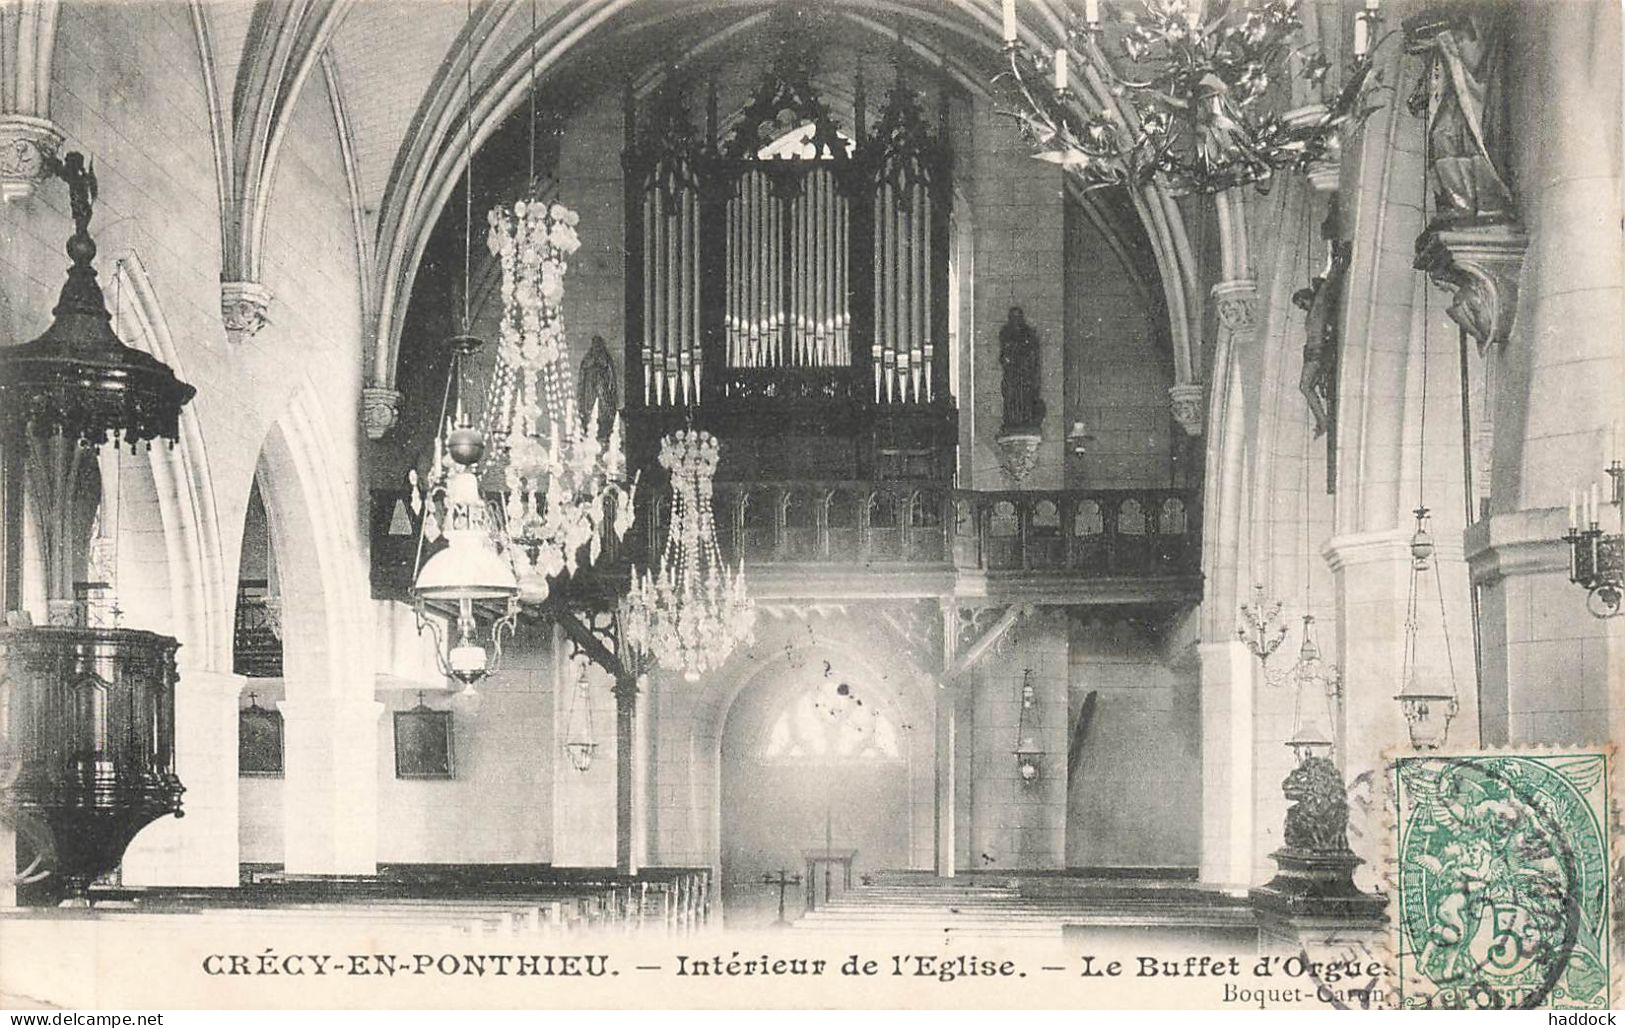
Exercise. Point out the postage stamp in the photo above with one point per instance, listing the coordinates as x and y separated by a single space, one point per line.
1503 881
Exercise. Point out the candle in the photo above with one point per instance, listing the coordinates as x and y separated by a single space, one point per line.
1060 69
1361 32
1091 12
1596 505
1008 7
1573 513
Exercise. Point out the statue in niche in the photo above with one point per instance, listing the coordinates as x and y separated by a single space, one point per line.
1018 357
1460 95
1320 301
595 384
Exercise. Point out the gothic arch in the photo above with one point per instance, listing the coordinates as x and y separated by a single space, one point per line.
182 487
427 168
327 609
700 734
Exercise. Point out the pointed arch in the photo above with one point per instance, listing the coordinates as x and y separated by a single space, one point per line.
183 485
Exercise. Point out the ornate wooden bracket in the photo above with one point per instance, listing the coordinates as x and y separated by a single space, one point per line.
1480 264
972 654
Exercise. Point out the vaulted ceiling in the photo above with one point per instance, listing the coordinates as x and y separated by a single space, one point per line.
399 74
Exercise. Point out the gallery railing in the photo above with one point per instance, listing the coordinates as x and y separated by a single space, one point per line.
1082 532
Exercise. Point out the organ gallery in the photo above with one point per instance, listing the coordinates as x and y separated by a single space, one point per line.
799 466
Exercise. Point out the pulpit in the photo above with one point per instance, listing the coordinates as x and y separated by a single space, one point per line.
87 720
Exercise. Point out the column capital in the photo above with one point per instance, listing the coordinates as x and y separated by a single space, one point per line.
1185 403
243 308
1236 302
380 409
1385 547
1523 542
27 146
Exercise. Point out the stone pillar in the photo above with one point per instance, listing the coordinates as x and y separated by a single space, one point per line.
330 785
1228 670
947 725
626 748
29 139
1372 574
200 848
1550 669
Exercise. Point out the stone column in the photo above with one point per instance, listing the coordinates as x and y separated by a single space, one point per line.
330 785
1228 679
1372 572
29 139
626 746
200 848
947 725
1550 669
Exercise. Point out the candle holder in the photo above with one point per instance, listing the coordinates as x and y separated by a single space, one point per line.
1596 558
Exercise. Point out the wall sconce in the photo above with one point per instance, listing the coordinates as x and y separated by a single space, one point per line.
1597 561
1028 751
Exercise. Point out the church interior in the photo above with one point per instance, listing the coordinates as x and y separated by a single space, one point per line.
729 463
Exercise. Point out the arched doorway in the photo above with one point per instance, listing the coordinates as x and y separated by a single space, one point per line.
814 756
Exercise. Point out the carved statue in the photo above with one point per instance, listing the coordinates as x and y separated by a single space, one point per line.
81 180
1319 816
1018 357
1467 121
595 384
1320 301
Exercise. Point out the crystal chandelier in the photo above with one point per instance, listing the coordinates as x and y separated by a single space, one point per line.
688 612
564 490
1198 92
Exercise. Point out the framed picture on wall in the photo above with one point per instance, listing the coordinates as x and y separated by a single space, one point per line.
423 747
259 740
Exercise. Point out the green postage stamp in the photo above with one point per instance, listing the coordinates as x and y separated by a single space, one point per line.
1503 881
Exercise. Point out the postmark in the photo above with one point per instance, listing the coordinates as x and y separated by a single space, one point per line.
1503 881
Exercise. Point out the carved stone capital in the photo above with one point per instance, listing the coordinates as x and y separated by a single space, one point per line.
1236 303
380 408
1018 454
243 307
1185 401
27 145
1480 264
